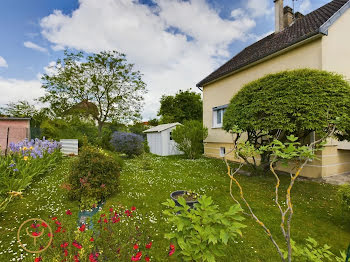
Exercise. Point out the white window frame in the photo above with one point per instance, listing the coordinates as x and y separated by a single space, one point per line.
222 110
222 151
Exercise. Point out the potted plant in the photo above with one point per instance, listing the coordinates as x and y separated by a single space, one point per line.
190 197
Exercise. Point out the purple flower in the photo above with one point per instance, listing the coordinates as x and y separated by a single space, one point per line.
15 170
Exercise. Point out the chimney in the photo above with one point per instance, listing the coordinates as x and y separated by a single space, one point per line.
288 17
278 15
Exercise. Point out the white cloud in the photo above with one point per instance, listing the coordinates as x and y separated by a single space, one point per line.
34 46
19 90
3 62
175 44
305 7
259 8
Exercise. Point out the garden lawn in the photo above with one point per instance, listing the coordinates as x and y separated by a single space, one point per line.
147 181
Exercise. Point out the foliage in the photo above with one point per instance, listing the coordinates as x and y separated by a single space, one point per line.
288 152
94 176
344 197
189 138
25 161
202 233
70 128
185 105
138 129
313 252
292 102
105 85
127 143
153 122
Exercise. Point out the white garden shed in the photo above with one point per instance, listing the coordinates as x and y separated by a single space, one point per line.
160 141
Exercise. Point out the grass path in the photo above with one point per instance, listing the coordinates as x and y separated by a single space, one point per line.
147 181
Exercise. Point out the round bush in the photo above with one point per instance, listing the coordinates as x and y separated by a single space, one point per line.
127 143
298 102
94 176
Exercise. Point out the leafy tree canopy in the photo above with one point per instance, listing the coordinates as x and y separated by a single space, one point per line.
294 102
105 80
185 105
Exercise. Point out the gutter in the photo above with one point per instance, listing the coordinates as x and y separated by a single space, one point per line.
306 39
324 28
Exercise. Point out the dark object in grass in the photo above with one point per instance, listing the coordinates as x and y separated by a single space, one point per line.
189 196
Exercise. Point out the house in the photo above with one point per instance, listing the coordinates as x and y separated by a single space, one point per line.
160 141
318 40
13 129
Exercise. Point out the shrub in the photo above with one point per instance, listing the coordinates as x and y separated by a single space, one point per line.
344 197
189 138
94 176
26 161
296 102
202 233
127 143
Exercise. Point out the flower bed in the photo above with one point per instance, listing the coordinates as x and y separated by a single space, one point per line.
25 161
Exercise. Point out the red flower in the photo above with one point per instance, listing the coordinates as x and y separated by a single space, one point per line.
36 234
43 224
136 246
137 257
58 230
38 259
115 220
35 225
127 212
105 220
171 250
147 258
68 212
149 245
92 257
103 215
82 228
64 245
133 208
110 209
76 258
65 253
103 185
57 222
92 239
49 235
75 244
54 218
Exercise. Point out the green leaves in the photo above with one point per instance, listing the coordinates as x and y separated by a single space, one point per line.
203 232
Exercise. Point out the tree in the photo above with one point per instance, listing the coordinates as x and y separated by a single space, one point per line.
185 105
189 138
106 80
297 102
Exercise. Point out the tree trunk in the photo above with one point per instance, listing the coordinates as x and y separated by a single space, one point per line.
100 125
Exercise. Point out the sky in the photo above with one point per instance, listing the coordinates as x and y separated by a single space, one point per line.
174 43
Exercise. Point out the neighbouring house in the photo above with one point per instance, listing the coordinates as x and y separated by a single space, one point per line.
160 140
318 40
13 129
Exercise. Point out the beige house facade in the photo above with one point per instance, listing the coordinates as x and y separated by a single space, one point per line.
326 48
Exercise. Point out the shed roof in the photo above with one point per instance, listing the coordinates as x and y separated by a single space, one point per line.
161 128
15 118
316 22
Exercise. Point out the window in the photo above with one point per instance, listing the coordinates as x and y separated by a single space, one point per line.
171 135
218 116
222 151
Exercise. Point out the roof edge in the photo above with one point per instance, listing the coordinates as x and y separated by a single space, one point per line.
306 39
324 28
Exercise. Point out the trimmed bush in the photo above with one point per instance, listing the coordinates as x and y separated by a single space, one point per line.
127 143
94 176
189 138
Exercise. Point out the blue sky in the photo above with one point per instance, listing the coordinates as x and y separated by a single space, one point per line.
174 43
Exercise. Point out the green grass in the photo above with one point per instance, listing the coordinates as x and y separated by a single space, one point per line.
147 181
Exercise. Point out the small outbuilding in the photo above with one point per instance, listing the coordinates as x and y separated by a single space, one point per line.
160 140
